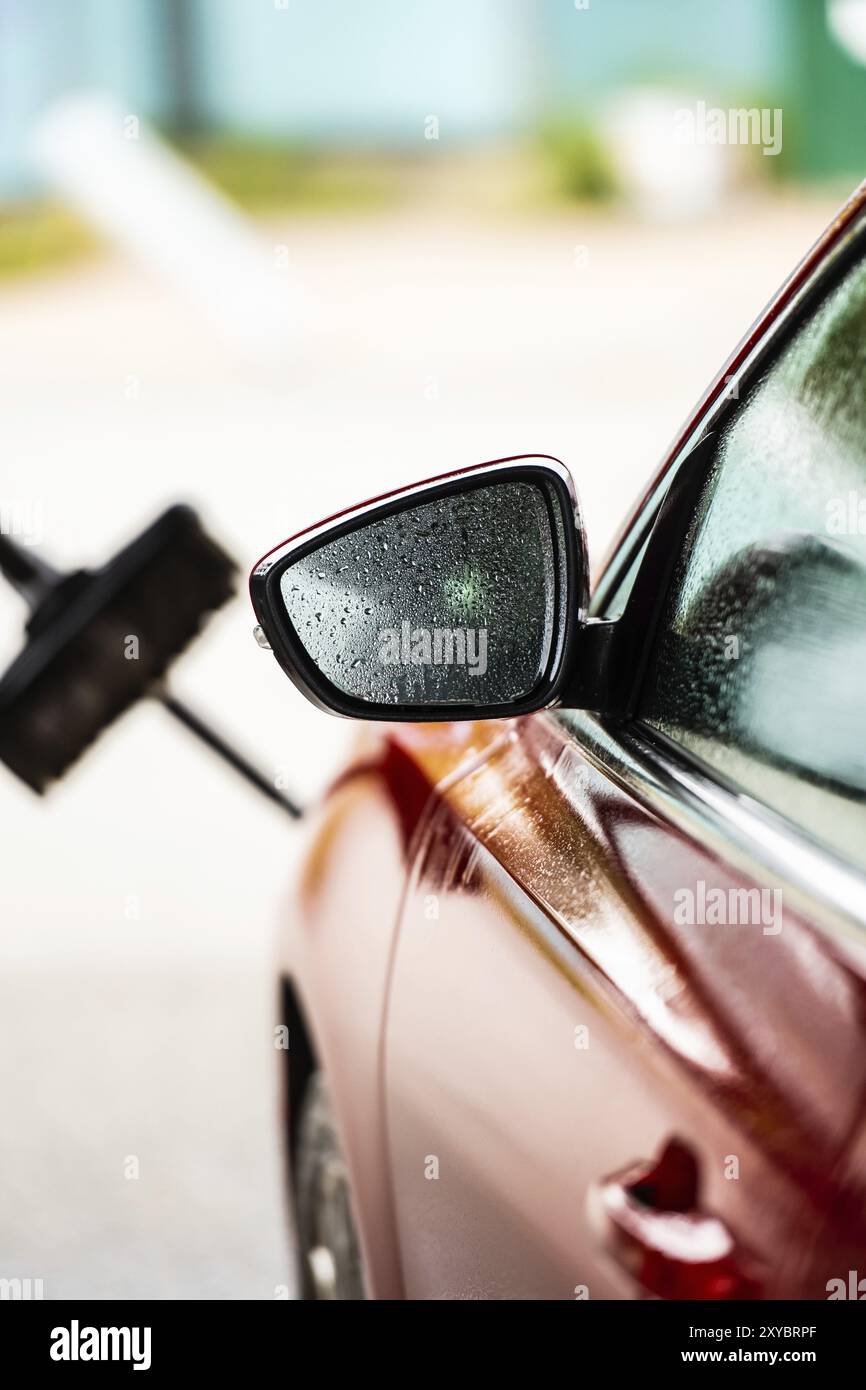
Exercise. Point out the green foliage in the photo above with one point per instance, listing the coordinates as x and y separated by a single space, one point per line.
261 177
582 166
264 176
39 234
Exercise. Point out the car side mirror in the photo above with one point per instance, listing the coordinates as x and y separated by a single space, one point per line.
458 598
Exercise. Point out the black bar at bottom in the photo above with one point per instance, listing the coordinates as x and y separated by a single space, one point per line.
259 1337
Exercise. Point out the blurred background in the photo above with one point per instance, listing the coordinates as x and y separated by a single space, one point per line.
274 257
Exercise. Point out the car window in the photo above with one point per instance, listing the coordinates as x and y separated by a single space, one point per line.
759 666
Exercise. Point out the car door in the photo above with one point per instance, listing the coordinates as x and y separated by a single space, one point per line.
625 1034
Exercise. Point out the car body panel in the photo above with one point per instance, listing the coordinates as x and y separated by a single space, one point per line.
336 953
468 923
542 902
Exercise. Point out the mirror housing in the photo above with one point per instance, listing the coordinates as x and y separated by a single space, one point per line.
462 597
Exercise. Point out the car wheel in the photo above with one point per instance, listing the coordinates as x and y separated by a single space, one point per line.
329 1254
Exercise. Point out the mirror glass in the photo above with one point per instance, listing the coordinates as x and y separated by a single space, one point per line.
451 601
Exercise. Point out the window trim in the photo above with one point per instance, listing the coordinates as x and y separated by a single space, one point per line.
730 823
658 773
724 398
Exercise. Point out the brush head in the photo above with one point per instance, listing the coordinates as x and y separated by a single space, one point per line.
98 640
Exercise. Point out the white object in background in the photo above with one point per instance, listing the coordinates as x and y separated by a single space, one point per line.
126 181
846 20
666 176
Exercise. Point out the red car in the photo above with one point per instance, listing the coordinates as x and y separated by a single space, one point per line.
574 973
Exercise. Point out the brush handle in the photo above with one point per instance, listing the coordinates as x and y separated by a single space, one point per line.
217 744
33 577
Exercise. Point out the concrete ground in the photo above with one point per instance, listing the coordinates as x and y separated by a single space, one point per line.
141 901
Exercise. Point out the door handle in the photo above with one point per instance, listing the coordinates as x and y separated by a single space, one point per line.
651 1221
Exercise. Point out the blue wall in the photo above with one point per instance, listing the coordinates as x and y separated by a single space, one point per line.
732 45
48 47
367 71
360 72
